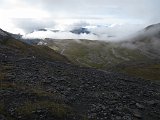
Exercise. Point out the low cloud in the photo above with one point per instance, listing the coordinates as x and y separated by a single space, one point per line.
113 32
59 35
29 15
29 25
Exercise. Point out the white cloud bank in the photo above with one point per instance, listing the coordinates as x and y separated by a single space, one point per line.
23 16
112 32
59 35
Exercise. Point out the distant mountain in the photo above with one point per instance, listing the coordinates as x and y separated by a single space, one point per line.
55 30
42 29
36 30
80 31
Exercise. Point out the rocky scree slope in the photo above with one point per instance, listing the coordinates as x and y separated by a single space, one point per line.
44 89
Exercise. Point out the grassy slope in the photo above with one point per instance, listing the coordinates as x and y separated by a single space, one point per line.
103 55
43 52
150 71
95 53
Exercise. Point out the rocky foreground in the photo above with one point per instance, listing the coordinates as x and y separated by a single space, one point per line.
35 89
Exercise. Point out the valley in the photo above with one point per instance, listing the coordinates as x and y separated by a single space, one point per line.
77 80
106 55
79 60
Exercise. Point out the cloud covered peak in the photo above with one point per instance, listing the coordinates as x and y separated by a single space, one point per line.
86 31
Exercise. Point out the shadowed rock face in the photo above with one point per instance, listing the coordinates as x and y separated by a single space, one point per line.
3 34
6 35
34 88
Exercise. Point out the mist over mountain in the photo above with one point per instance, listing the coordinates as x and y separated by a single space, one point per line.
3 34
113 32
139 46
80 31
146 40
65 79
79 59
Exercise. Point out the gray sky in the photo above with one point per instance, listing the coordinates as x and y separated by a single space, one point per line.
27 15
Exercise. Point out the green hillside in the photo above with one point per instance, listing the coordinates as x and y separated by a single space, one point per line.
96 54
40 51
149 70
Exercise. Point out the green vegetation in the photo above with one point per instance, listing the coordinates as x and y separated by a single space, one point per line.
4 69
48 54
58 110
97 54
102 55
46 101
40 92
1 107
2 76
6 85
151 72
4 112
42 52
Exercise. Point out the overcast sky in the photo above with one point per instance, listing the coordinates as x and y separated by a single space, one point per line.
21 16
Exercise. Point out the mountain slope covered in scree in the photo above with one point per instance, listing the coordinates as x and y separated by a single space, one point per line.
35 87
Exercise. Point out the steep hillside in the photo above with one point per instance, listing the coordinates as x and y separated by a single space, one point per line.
147 42
145 45
96 54
21 48
35 84
148 69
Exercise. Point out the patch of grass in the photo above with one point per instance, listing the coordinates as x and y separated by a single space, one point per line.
45 101
35 90
58 110
41 51
48 53
3 112
6 67
2 76
7 85
4 70
151 72
1 108
96 54
40 92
